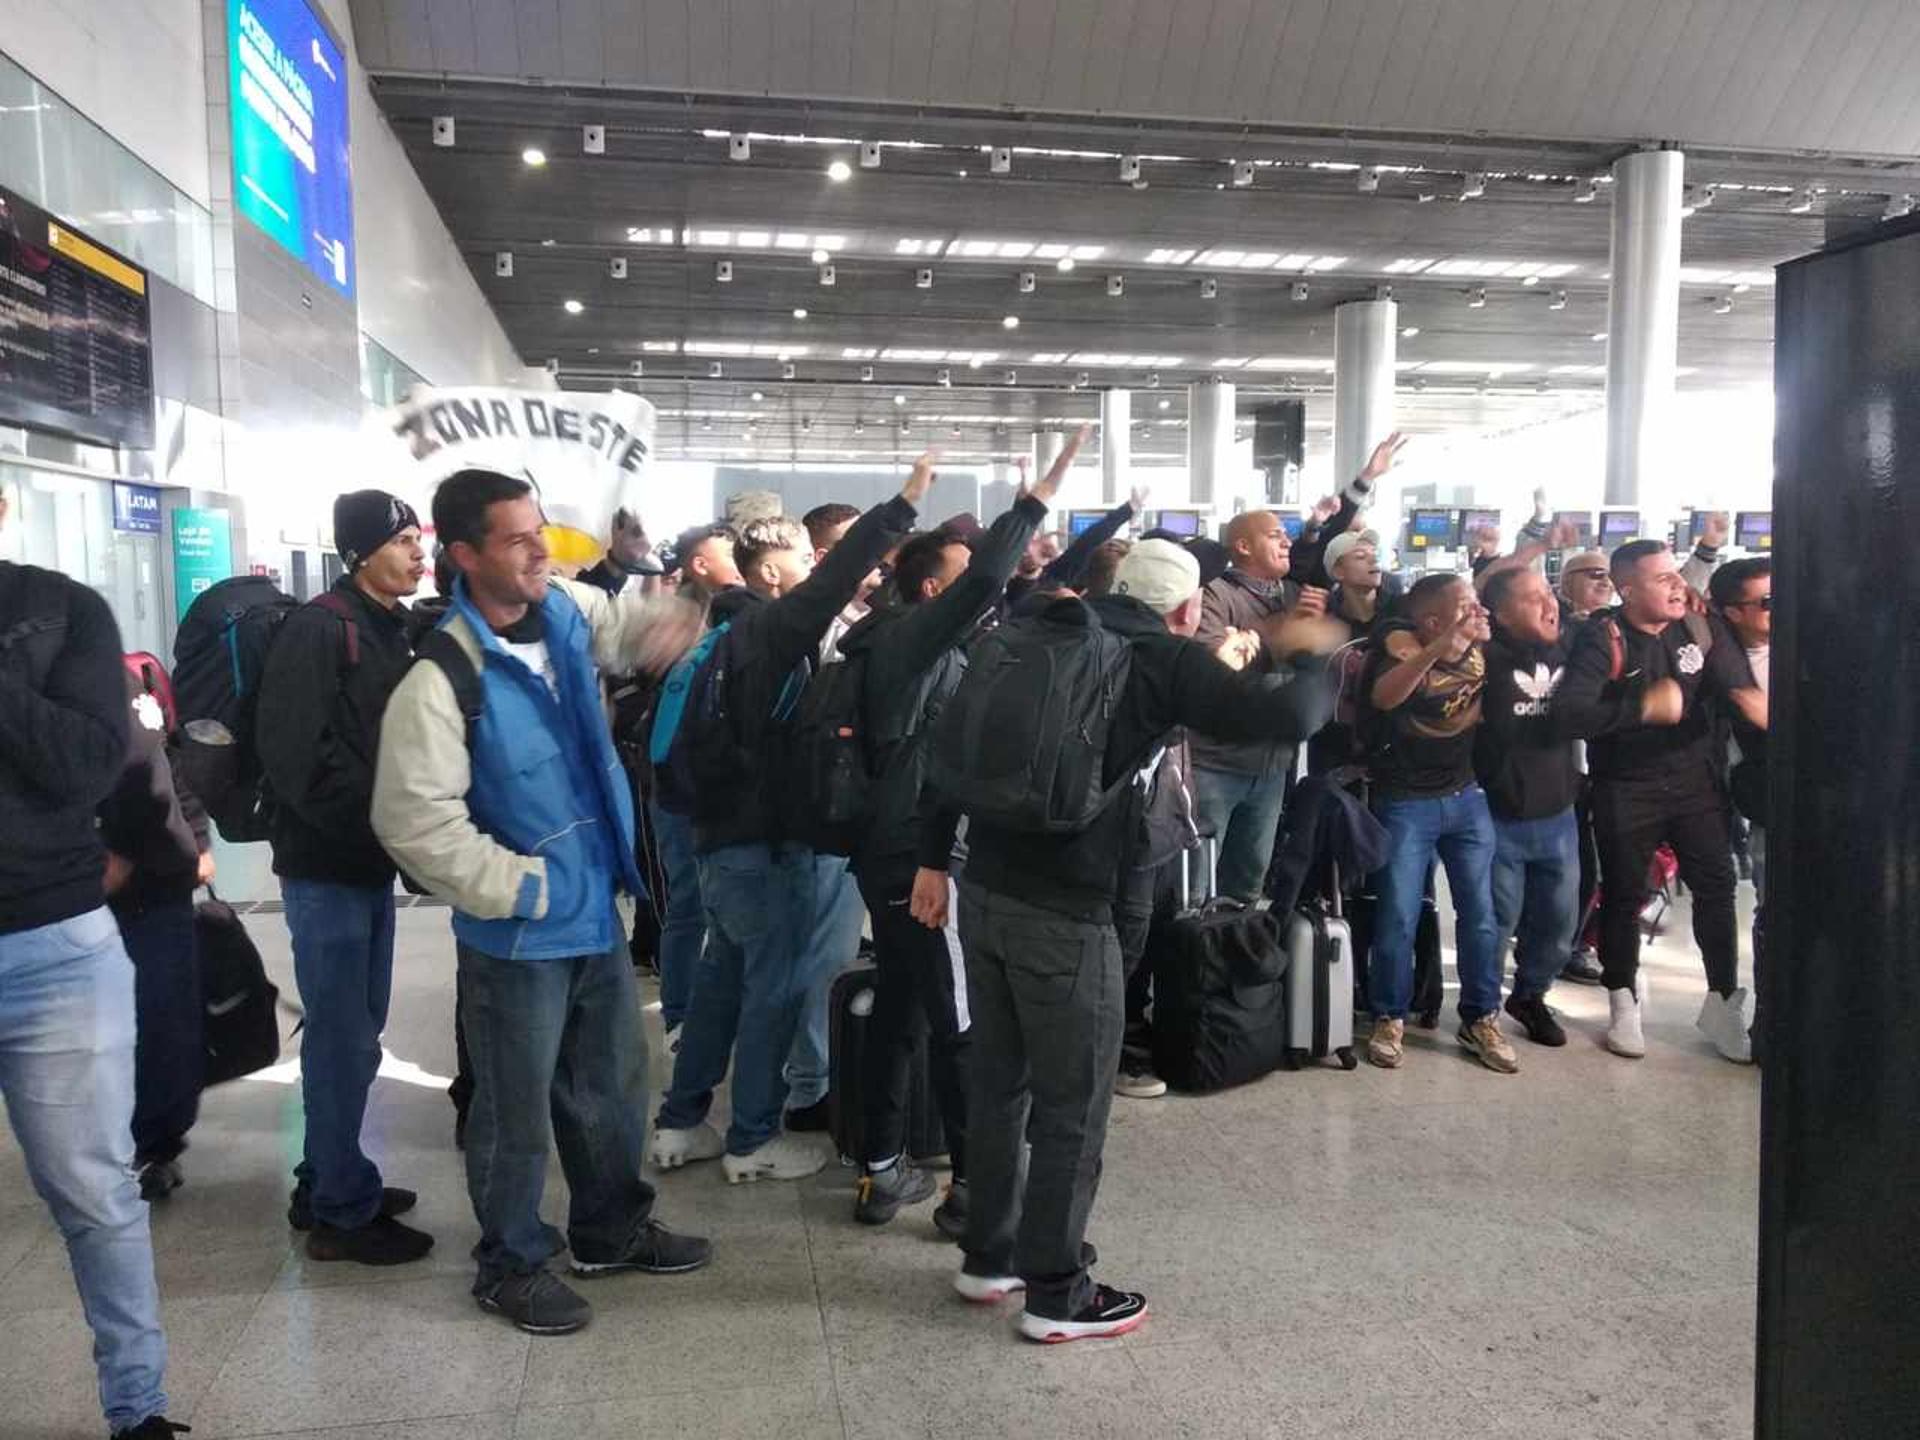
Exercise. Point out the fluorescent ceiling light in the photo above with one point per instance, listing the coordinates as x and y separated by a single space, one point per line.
791 240
1289 362
1088 252
839 170
572 307
1015 249
855 352
660 347
753 239
1327 262
534 156
1168 255
1407 267
1234 362
1048 357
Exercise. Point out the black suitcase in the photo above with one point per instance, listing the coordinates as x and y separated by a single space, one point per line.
1219 993
849 1014
240 1005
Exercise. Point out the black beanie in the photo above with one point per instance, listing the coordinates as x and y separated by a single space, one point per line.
364 520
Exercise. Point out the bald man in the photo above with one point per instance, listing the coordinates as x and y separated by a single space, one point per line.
1238 786
1585 585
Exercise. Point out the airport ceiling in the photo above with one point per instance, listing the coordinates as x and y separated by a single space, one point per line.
1502 293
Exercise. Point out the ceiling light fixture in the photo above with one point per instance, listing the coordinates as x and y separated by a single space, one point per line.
1407 332
975 363
1165 404
1116 285
1723 305
828 275
1010 322
1898 207
799 312
723 272
572 307
1530 281
1300 291
533 156
899 399
757 396
1242 174
1001 161
1012 378
1367 181
788 372
839 170
548 243
1558 301
1586 192
1599 337
819 256
1129 168
1027 283
866 373
1801 202
1064 264
739 147
1474 186
593 139
869 154
1477 298
1209 289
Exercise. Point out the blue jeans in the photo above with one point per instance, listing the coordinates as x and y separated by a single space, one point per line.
832 943
1459 829
66 1068
343 965
558 1059
684 930
1244 812
749 991
1536 896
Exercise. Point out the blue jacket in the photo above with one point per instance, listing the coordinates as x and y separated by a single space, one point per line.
526 826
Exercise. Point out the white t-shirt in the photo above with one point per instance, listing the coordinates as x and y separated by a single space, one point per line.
1759 661
533 654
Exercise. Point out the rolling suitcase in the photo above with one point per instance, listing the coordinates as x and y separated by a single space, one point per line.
1319 982
1219 1001
849 1015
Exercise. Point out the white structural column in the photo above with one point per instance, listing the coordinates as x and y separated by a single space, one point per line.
1209 440
1047 445
1116 444
1643 319
1365 336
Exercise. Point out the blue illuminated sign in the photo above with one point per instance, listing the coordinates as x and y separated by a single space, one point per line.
136 508
288 99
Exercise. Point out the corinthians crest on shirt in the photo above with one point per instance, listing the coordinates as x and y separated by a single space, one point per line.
1536 689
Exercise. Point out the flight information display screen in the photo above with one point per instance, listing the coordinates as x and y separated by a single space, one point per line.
1430 529
1472 520
1184 523
288 101
1081 521
76 349
1753 530
1582 522
1617 527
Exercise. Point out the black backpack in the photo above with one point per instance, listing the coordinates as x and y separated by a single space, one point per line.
832 758
239 1005
219 656
1022 743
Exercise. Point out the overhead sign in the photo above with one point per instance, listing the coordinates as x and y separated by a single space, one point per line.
202 553
587 452
76 353
287 84
136 508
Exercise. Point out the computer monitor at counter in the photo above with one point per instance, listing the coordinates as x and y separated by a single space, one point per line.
1081 521
1472 520
1429 529
1617 527
1582 522
1184 523
1753 530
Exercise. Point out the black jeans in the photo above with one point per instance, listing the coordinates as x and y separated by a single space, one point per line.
1047 1016
920 991
1138 918
170 1052
1589 855
1629 823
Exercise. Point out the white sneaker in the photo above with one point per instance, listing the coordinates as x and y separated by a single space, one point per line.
784 1157
1623 1034
1727 1023
674 1148
1139 1085
986 1289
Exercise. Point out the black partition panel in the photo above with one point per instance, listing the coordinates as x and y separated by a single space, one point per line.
1839 1331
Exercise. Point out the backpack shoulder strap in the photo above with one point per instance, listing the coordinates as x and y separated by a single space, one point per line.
334 603
441 649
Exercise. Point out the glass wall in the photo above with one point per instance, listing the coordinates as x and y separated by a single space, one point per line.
70 167
385 378
64 522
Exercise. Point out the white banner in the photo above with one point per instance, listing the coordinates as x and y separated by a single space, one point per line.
587 452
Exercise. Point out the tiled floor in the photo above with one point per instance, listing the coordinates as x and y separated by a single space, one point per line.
1436 1252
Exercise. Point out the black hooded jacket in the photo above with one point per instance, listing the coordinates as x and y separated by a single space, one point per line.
769 649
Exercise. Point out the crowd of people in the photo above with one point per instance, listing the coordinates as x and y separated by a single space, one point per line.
630 760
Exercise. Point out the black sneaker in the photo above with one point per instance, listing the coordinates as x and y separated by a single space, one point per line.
1110 1312
809 1119
950 1215
393 1201
381 1241
159 1179
881 1195
537 1302
1583 968
656 1250
1536 1019
154 1427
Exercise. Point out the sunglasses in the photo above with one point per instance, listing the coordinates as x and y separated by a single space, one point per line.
1765 602
1588 572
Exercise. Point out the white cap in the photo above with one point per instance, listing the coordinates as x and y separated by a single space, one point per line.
1159 574
1343 542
